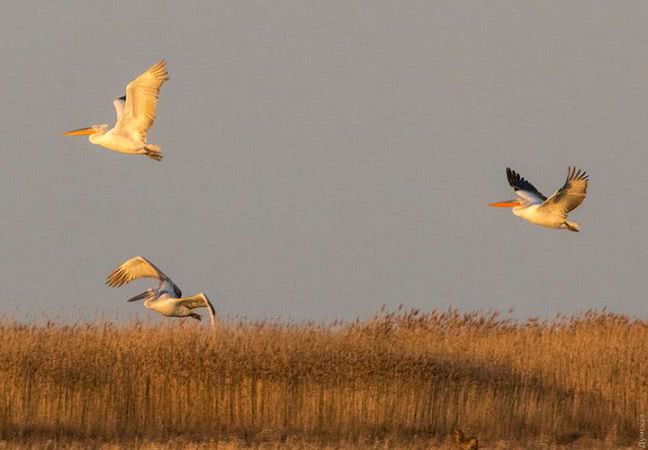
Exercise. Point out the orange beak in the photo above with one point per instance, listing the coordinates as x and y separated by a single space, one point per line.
506 204
80 132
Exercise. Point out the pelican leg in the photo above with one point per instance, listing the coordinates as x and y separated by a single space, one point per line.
153 152
571 227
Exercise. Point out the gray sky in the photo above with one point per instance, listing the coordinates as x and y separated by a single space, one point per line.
325 158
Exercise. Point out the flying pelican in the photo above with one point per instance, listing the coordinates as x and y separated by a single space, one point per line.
550 212
135 115
167 298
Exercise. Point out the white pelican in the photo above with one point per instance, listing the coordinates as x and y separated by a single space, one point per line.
550 212
167 298
135 115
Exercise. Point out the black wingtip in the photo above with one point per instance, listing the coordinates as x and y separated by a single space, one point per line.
573 174
513 178
122 98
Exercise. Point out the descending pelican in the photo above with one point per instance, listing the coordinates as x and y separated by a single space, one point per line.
550 212
135 115
167 298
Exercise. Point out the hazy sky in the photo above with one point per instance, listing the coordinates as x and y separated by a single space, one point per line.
325 158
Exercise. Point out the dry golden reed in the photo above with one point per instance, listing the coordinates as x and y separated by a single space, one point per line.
401 376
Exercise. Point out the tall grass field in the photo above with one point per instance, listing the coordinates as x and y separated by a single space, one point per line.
404 378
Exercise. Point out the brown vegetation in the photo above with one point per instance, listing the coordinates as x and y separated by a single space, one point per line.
465 443
401 376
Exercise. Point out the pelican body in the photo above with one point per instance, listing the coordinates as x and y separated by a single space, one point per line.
135 115
551 212
167 298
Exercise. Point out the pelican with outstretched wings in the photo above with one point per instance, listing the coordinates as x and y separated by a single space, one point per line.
550 212
167 299
135 115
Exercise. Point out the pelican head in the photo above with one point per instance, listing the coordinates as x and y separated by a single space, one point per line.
506 204
91 130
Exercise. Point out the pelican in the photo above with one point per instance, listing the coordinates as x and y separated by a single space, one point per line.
135 115
167 298
550 212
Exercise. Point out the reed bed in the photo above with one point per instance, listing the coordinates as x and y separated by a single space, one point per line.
399 377
290 444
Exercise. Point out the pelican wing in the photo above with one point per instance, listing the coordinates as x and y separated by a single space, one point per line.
119 104
200 301
527 192
570 195
134 268
141 100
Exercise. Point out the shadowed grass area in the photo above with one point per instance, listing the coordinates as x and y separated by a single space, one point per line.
399 376
292 444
